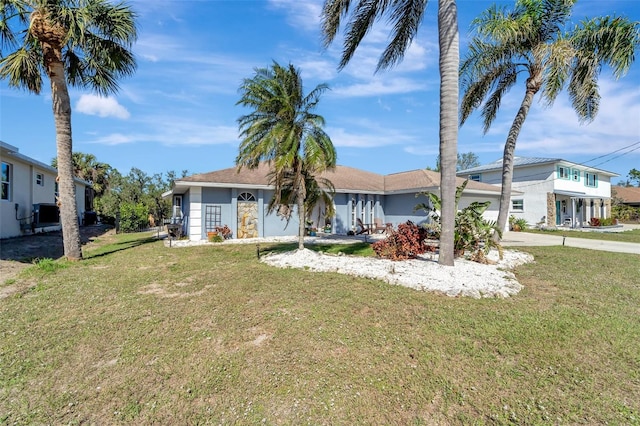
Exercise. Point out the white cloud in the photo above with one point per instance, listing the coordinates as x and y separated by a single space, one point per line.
370 136
114 139
302 14
101 106
381 86
317 69
170 131
557 132
557 129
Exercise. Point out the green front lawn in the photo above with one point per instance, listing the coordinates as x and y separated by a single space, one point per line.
631 236
143 334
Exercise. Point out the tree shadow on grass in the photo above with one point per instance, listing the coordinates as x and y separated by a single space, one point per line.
119 246
46 245
358 249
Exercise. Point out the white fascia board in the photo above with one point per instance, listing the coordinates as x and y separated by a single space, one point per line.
358 191
412 190
12 152
184 184
485 192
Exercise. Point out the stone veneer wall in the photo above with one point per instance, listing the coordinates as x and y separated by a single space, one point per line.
551 209
247 220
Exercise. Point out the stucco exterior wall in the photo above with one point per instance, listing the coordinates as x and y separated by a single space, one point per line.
399 209
25 192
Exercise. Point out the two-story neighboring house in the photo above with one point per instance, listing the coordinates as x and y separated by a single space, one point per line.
555 192
28 194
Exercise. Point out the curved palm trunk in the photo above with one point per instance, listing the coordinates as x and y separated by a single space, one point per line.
301 197
449 62
67 187
301 228
507 158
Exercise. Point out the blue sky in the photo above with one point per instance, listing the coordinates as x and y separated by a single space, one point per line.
178 112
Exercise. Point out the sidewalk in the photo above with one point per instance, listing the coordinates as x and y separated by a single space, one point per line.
514 239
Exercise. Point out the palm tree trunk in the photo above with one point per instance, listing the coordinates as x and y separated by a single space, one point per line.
449 62
301 227
67 187
507 159
302 196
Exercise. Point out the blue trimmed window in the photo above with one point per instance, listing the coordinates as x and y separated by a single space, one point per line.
564 172
475 178
590 179
575 175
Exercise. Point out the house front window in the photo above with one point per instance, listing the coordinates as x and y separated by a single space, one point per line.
575 175
564 172
517 205
590 179
353 212
212 217
176 212
39 179
475 178
5 189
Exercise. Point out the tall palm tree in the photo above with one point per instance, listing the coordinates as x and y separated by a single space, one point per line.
530 41
283 130
82 43
405 16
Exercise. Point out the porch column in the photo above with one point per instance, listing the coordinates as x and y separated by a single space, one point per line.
551 209
195 214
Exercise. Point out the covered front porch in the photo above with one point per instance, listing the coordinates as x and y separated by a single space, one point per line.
575 209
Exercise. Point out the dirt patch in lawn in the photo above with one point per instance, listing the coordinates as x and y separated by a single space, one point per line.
18 253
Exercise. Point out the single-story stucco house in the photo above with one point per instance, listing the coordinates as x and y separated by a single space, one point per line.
28 195
551 191
628 195
239 199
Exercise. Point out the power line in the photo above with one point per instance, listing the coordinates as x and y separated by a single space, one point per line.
613 152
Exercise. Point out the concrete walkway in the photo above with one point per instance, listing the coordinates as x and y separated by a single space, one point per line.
512 239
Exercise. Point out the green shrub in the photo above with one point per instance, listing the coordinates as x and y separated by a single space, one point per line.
216 238
133 217
608 221
517 223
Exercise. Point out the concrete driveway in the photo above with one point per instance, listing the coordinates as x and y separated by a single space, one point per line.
511 239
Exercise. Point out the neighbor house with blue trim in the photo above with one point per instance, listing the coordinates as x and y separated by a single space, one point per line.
551 191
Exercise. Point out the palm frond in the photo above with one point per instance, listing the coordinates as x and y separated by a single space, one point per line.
559 58
23 69
405 18
332 13
613 40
